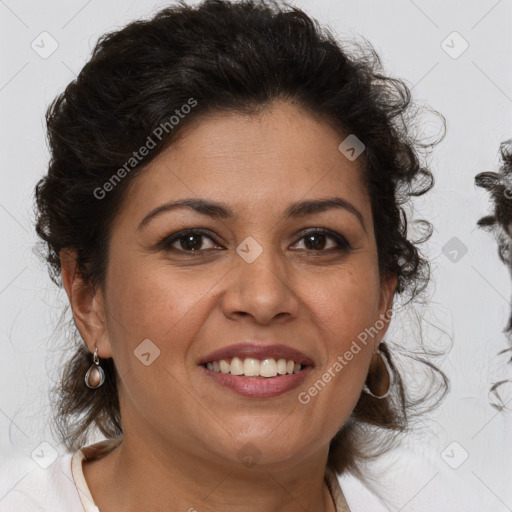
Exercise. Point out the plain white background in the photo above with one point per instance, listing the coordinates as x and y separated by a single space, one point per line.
470 297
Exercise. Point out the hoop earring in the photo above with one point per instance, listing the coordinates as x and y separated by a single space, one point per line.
95 375
380 376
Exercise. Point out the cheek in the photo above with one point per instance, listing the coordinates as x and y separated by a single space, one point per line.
345 309
156 303
147 302
345 302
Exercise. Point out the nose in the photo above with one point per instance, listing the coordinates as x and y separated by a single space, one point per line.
262 289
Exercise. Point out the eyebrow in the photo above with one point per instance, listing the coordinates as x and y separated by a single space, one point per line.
218 210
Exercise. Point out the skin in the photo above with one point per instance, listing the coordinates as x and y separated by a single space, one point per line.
182 433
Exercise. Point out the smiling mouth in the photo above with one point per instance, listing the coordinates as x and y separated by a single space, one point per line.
251 367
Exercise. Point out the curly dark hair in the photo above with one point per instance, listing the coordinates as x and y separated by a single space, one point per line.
231 57
499 223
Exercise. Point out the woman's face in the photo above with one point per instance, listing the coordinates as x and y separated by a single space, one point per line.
262 277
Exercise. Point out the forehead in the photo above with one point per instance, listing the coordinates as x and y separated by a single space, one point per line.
257 163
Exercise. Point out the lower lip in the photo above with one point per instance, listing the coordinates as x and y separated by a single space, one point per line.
258 387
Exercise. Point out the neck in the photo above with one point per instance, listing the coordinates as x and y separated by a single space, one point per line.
146 474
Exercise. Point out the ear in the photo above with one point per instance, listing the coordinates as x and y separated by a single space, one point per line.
387 292
87 305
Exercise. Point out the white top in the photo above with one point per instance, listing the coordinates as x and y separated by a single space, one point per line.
412 478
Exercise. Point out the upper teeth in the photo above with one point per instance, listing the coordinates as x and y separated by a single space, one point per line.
251 367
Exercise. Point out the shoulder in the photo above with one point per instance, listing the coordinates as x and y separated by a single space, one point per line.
423 477
358 494
45 485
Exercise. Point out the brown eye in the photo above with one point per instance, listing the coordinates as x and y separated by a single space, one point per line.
317 240
191 240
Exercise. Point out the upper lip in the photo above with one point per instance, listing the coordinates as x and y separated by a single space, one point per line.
257 351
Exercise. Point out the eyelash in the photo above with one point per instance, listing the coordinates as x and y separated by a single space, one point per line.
166 243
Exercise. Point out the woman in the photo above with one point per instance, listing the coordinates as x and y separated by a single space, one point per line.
224 207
